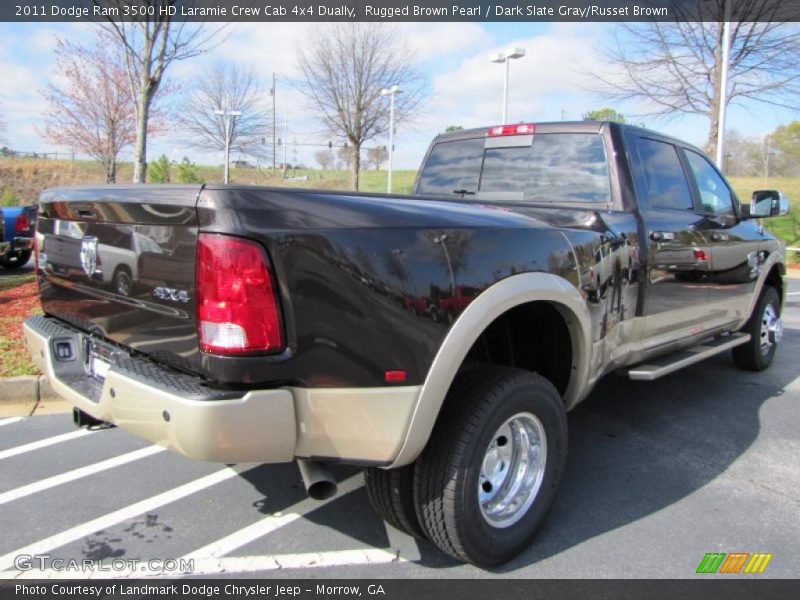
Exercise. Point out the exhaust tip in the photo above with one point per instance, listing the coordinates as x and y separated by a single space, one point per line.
319 483
322 490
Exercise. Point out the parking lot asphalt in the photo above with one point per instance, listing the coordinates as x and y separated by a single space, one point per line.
659 474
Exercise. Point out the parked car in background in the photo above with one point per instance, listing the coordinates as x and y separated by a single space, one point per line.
20 227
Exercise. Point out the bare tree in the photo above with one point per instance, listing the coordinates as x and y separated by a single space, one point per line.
344 156
90 107
151 44
376 156
676 67
325 159
344 71
230 88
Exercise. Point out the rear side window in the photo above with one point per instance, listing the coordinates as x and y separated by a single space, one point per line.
660 179
555 168
451 167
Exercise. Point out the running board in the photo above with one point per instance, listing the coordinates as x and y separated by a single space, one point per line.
673 362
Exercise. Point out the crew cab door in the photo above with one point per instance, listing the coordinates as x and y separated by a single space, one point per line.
731 245
676 292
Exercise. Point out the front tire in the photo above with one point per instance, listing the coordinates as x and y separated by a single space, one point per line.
765 328
488 477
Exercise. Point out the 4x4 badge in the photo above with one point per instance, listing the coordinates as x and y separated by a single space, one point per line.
165 293
89 255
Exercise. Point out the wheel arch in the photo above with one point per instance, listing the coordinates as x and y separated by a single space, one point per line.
772 272
491 304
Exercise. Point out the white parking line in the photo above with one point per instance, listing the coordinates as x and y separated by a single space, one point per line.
64 437
50 482
404 545
118 516
267 525
10 420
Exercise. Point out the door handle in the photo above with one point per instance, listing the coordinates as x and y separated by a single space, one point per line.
720 237
662 236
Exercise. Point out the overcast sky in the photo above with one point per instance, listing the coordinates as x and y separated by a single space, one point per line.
465 90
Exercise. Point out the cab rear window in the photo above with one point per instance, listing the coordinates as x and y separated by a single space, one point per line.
555 168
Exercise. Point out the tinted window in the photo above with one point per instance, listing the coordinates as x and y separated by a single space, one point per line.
715 195
558 167
660 180
452 166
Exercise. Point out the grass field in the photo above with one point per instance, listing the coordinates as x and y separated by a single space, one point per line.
23 179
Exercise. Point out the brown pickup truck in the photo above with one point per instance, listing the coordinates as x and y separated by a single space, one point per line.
276 325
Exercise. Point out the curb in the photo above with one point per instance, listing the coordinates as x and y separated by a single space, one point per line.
23 396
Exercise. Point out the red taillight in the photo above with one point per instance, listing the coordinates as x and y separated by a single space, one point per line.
518 129
700 255
237 306
23 223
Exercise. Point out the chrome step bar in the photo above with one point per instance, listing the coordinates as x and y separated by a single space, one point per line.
674 362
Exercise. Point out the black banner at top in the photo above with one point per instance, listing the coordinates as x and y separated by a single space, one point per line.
399 10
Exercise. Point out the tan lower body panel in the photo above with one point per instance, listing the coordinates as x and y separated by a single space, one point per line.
364 425
360 424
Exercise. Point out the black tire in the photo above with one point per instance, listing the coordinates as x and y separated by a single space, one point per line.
391 493
447 473
16 260
122 282
752 356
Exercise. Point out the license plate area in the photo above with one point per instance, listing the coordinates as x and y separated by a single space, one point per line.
99 357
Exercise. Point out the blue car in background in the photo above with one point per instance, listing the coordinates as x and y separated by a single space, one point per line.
20 228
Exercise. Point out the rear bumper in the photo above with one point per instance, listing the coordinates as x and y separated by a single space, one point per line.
166 407
21 244
178 411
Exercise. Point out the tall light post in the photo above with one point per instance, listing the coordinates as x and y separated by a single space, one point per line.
391 93
506 57
441 239
226 120
723 85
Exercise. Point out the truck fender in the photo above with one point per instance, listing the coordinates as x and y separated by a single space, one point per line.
775 258
481 312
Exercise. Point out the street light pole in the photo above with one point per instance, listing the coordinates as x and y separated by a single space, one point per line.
391 92
441 239
723 85
506 57
227 123
274 129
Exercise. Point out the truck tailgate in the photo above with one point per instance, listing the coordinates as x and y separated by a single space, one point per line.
119 262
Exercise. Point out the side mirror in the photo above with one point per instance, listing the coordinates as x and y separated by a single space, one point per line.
767 203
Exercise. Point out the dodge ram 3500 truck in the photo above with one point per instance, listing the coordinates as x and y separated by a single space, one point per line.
437 340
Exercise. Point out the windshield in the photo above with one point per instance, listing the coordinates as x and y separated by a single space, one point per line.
556 167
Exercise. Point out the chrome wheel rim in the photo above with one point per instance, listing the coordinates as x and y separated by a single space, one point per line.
771 329
512 470
123 284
